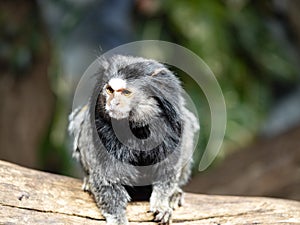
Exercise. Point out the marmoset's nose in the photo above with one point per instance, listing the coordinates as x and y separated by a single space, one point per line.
115 102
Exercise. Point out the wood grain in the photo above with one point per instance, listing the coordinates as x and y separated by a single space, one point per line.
33 197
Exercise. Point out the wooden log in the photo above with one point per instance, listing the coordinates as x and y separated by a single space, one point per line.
33 197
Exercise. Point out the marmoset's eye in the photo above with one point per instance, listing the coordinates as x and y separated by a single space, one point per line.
126 92
109 90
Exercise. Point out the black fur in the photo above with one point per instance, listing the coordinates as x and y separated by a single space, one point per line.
133 156
157 153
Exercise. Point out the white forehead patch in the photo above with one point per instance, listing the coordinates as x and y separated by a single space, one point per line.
117 83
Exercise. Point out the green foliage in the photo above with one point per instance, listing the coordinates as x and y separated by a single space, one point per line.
236 40
21 41
240 46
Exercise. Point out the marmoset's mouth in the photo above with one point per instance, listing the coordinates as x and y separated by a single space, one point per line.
116 114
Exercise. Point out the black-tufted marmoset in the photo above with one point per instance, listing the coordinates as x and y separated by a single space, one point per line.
134 131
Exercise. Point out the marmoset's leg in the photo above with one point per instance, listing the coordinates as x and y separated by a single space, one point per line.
112 199
160 200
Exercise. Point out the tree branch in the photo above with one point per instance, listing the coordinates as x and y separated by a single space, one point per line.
33 197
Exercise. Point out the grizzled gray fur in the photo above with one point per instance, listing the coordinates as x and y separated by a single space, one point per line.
134 131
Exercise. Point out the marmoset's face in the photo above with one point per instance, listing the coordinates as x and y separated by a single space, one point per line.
118 98
124 100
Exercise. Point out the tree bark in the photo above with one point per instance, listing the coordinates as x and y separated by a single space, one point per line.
33 197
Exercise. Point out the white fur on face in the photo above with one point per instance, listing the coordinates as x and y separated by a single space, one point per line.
117 83
117 105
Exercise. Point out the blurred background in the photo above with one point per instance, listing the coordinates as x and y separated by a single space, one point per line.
252 46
